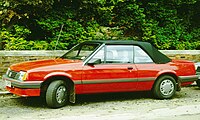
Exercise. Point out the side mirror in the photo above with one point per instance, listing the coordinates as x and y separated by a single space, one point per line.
94 62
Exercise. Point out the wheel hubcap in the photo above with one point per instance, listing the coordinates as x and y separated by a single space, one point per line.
167 87
60 94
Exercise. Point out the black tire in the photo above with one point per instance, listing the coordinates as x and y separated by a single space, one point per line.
164 87
198 82
56 94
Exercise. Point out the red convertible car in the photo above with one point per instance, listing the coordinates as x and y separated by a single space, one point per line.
100 67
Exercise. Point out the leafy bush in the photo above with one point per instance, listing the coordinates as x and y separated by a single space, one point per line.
61 24
17 40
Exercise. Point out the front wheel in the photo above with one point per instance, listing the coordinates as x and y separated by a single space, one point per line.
165 87
56 94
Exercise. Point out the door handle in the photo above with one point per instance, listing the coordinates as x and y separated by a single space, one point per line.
130 68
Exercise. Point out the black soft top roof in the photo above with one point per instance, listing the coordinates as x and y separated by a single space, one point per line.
156 55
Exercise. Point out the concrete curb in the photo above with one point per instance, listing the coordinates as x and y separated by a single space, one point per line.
4 92
2 89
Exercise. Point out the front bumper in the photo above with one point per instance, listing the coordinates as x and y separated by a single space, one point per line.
23 92
22 88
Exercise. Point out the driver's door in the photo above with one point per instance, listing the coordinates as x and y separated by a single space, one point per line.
115 73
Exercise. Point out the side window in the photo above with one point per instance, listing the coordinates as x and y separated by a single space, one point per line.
114 54
119 54
99 55
86 50
140 56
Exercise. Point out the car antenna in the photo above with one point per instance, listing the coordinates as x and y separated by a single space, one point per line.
59 36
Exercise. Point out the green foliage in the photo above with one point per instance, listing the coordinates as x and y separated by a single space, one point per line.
170 30
15 40
53 24
14 10
65 31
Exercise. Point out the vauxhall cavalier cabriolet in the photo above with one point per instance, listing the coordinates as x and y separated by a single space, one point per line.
100 67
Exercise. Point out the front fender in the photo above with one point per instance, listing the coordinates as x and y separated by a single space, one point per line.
57 74
70 83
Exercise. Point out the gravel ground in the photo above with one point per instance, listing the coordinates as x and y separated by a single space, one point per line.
1 85
113 106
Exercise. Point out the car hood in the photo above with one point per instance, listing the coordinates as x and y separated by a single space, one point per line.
25 66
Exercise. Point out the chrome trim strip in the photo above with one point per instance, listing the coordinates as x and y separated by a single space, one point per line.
77 82
146 79
23 84
109 81
102 81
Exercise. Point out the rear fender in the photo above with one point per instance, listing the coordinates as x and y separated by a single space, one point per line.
173 74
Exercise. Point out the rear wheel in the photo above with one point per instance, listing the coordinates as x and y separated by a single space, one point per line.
165 87
56 94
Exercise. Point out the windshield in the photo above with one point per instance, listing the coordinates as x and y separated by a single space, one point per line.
81 51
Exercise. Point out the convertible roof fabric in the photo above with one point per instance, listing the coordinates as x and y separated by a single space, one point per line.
156 55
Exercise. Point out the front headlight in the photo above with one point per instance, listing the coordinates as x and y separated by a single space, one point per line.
22 75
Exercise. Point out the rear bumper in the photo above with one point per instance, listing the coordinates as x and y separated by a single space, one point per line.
198 74
22 88
188 80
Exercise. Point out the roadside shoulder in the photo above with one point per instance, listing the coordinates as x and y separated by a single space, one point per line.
2 89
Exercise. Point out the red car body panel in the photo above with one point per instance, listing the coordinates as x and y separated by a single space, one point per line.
99 78
24 92
94 79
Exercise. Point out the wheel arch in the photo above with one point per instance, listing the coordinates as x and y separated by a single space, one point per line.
70 85
172 74
167 91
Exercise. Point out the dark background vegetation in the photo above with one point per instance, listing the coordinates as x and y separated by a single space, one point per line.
59 24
